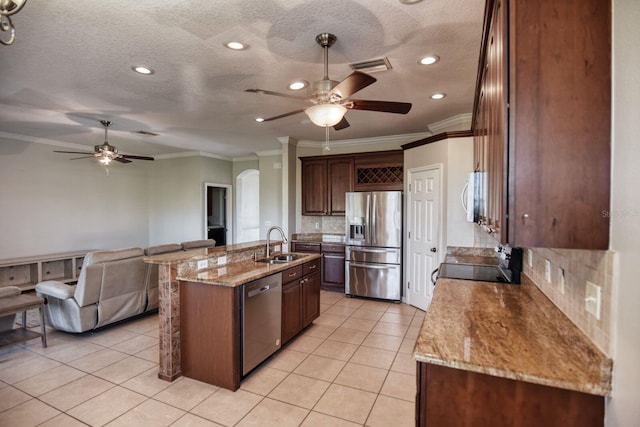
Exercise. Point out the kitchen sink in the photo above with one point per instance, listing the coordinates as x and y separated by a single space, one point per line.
281 258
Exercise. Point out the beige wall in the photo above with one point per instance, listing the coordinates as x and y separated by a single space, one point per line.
270 192
52 204
176 189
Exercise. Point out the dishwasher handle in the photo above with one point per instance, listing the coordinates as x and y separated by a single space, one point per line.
258 291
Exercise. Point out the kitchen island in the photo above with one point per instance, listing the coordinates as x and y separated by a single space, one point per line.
504 355
222 270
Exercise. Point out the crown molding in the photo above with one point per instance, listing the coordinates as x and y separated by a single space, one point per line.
455 123
44 141
190 154
245 159
269 153
389 139
287 140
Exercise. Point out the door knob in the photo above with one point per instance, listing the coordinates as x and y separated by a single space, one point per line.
434 250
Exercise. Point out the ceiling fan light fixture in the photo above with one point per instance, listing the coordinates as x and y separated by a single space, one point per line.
235 45
429 60
326 115
438 96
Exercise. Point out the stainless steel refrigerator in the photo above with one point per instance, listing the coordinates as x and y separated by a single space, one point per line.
374 244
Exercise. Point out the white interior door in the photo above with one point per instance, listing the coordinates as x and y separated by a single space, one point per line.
423 234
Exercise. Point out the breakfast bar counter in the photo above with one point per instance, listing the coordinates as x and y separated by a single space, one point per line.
508 336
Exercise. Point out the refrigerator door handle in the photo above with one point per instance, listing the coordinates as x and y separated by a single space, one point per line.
374 251
374 226
375 267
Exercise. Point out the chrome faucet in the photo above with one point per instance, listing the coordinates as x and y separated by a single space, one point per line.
284 238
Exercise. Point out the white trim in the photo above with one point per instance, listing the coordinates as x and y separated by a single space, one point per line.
245 159
269 153
459 122
399 139
190 154
228 213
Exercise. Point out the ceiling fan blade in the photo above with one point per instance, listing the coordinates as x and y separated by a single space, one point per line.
128 156
351 84
83 157
383 106
268 92
121 160
283 115
343 124
74 152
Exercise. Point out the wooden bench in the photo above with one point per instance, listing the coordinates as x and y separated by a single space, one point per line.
20 304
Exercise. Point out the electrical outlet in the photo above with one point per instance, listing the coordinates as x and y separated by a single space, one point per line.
547 270
317 226
561 280
592 299
277 248
202 264
222 260
530 257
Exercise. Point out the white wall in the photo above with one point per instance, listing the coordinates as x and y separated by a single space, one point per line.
51 204
456 157
623 409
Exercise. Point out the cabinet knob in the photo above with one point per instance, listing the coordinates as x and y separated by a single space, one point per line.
524 217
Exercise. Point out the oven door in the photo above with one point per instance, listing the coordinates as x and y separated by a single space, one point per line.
373 280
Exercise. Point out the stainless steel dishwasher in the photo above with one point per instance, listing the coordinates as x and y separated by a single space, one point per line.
261 320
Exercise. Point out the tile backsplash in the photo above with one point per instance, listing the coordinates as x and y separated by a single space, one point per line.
322 224
579 266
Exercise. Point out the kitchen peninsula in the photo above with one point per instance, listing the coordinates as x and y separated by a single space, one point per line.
220 272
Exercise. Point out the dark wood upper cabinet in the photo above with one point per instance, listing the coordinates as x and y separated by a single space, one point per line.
542 122
326 179
314 187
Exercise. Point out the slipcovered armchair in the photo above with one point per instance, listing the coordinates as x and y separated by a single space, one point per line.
111 287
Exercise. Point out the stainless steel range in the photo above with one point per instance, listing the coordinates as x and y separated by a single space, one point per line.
374 244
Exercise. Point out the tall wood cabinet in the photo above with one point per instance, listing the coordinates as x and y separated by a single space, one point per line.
542 122
324 184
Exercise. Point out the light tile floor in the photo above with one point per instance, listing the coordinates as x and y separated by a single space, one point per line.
352 367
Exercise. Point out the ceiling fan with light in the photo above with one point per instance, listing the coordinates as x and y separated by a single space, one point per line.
331 99
106 153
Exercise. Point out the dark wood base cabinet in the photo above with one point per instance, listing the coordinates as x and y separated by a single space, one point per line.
210 334
300 298
454 397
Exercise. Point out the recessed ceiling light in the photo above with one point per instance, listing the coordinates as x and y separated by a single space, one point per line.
438 95
428 60
236 45
298 84
140 69
259 119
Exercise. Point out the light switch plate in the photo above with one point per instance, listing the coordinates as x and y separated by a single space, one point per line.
222 260
530 258
202 264
547 270
593 299
561 280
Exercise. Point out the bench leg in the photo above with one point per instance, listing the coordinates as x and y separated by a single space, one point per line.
43 328
24 319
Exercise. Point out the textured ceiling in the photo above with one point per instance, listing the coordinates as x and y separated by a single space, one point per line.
71 66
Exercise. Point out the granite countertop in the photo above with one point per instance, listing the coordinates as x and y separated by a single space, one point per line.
318 238
204 253
509 331
238 273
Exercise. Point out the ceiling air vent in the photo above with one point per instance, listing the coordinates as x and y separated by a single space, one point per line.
372 66
144 133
